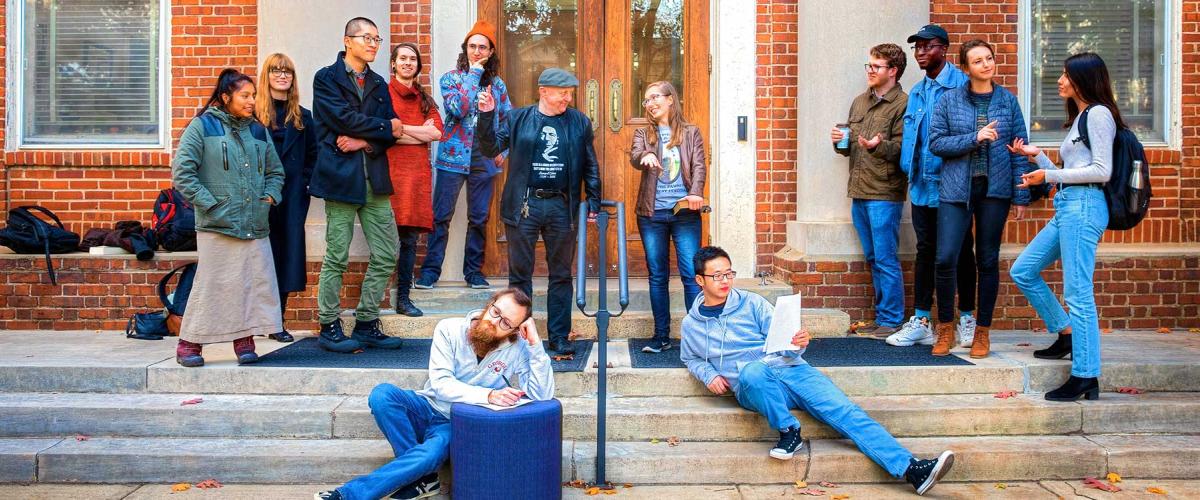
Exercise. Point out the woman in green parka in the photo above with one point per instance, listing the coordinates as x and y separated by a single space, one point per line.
226 166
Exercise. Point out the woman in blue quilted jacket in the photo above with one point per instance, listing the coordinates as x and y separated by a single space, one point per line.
971 128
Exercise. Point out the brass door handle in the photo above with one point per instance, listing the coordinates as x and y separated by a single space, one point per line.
593 103
614 117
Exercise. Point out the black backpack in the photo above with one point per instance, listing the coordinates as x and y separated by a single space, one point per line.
174 222
177 304
27 233
1126 206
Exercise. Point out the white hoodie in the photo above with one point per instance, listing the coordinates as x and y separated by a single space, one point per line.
457 376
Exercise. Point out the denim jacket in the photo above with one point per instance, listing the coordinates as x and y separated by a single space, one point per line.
924 176
952 134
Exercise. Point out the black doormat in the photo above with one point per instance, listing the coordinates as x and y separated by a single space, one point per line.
840 351
413 354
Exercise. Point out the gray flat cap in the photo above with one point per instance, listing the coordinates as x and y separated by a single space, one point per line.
557 77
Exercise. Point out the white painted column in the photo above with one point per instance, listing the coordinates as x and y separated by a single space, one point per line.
733 171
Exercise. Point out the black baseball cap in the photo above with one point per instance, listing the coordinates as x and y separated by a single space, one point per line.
929 32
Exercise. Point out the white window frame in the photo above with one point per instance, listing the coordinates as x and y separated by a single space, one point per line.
16 81
1170 84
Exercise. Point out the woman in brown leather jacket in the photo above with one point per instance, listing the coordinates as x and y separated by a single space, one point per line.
670 153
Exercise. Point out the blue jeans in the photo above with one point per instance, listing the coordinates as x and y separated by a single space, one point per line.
550 219
1080 217
420 439
772 391
445 197
657 233
954 222
878 226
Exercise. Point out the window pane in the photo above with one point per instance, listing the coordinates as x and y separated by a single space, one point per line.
91 72
1131 37
538 34
657 31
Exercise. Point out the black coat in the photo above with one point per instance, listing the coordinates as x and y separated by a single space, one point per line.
337 110
298 153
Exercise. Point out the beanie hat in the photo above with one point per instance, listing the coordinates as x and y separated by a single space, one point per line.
483 28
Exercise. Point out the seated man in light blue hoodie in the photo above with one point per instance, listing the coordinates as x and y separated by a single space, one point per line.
472 360
724 339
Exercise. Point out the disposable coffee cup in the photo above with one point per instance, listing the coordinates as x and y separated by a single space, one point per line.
845 142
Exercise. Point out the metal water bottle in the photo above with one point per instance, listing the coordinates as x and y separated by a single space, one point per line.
1135 186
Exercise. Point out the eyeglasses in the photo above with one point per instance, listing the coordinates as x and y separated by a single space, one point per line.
875 68
368 39
652 97
281 72
925 48
478 48
505 325
722 277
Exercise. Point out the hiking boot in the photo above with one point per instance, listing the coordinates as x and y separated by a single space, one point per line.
981 344
965 330
406 307
332 339
915 331
425 487
188 354
244 348
656 346
369 334
424 283
477 282
923 474
945 339
328 495
561 347
282 337
789 442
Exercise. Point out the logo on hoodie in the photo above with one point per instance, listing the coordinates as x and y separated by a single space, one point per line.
497 366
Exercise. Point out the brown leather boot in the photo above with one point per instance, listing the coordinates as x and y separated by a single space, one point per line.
945 339
981 345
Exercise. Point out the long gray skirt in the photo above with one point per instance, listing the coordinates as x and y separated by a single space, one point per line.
234 294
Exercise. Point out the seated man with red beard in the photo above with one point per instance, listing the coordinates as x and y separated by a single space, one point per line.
472 360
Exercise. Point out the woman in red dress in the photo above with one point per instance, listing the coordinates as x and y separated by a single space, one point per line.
409 165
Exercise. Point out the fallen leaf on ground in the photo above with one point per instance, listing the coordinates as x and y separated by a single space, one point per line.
1039 330
856 325
1005 394
1092 482
1156 490
1113 477
358 351
1106 330
1194 330
673 441
801 485
841 497
208 483
1024 344
81 437
1001 486
193 401
1163 330
578 483
654 441
1128 390
564 357
573 335
609 492
812 492
827 484
628 485
592 491
180 487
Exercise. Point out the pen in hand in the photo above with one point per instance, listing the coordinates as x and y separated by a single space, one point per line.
509 384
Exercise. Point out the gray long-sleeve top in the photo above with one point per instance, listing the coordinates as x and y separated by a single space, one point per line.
1080 164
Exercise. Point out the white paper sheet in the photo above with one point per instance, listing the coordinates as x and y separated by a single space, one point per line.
785 322
519 402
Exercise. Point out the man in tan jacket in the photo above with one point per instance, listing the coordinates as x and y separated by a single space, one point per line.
877 184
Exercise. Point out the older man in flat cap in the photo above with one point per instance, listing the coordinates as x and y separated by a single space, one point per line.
551 160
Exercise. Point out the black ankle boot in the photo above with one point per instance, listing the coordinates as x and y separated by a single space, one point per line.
1059 349
1075 387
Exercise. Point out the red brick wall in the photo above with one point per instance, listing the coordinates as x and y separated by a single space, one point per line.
1189 172
411 21
776 126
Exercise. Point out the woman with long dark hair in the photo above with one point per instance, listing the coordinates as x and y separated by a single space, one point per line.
971 127
228 169
292 133
1080 217
409 166
670 153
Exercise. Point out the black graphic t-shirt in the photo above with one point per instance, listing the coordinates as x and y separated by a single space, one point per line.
548 165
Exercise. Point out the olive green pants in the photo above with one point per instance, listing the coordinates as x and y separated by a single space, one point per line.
379 226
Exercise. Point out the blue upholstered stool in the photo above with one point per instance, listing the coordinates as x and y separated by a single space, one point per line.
514 453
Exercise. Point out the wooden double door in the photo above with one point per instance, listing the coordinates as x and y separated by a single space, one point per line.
616 48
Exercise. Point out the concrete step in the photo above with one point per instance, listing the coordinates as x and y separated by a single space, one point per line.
291 461
456 297
631 324
629 418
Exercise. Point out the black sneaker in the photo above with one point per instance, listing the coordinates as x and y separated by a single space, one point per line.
789 442
424 283
282 336
656 347
425 487
923 474
477 282
369 334
406 307
328 495
332 339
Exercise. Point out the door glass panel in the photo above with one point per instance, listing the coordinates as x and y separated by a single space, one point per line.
657 37
538 34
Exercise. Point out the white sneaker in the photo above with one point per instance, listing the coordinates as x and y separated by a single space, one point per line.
965 330
915 331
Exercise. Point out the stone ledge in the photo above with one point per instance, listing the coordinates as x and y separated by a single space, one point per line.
1106 252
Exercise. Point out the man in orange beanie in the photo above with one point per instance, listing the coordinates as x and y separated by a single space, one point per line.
459 159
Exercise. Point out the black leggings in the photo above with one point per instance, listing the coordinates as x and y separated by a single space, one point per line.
954 222
406 258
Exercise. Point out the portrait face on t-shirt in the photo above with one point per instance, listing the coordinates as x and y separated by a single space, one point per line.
548 163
